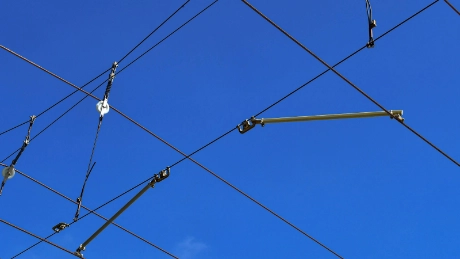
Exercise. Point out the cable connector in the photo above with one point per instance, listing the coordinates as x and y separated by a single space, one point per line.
247 125
160 176
372 24
103 106
78 252
397 116
60 226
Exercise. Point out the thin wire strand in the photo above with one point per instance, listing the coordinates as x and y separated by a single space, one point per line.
52 106
272 105
42 239
88 171
180 27
15 127
453 7
89 212
350 83
58 118
158 27
341 61
90 93
206 170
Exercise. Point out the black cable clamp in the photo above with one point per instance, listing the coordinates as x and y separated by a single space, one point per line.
163 174
26 141
9 172
372 24
246 125
109 83
397 117
60 226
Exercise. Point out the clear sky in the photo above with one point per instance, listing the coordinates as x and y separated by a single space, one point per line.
366 188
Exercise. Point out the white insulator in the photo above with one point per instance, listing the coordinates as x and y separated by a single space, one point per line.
101 108
9 172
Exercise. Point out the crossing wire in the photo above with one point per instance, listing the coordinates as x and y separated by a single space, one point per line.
125 56
42 239
129 190
81 88
234 128
274 104
90 212
54 121
90 94
56 76
350 83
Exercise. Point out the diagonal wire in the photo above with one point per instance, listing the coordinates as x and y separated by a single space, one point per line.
350 83
90 93
178 28
47 71
453 7
158 27
42 239
233 129
129 190
89 212
34 64
221 137
341 61
272 105
58 118
17 126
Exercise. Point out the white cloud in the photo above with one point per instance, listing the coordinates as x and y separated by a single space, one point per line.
188 248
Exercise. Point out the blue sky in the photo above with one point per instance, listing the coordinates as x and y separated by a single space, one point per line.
366 188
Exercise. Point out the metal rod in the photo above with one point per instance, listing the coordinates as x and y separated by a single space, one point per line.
328 117
108 222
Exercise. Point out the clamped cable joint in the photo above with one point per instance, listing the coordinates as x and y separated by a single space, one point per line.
60 226
160 176
247 125
103 106
78 252
397 117
8 172
372 24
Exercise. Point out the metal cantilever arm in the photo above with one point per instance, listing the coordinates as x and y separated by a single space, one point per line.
156 178
246 125
396 113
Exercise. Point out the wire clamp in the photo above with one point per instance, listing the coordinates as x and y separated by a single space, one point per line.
372 24
103 106
397 117
78 252
160 176
60 226
247 125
